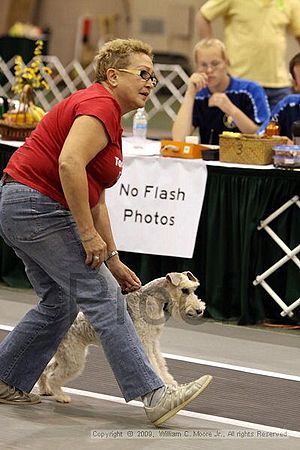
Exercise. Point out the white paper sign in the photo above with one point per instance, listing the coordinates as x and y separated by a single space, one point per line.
156 204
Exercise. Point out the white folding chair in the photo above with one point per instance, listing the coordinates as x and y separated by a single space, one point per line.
290 255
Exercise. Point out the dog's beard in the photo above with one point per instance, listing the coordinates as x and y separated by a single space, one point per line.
194 313
190 307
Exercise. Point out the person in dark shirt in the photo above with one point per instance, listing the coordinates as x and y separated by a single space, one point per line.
287 110
215 102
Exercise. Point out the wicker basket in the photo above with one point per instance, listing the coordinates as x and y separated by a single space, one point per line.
15 132
249 149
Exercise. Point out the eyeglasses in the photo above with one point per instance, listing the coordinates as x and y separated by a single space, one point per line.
143 74
213 65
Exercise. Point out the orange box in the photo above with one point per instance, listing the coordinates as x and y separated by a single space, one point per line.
177 149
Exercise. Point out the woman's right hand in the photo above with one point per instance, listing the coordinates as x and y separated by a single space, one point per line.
95 249
196 82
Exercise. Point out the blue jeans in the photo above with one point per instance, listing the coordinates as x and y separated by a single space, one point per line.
44 235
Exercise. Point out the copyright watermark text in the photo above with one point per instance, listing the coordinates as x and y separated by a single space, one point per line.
187 434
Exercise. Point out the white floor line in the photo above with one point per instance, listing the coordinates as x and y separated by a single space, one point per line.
206 362
6 328
191 414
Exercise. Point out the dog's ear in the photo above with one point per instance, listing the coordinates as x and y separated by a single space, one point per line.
191 276
174 278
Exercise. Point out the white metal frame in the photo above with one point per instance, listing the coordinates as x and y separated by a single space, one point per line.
290 255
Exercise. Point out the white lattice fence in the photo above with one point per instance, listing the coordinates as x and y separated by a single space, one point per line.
290 255
165 97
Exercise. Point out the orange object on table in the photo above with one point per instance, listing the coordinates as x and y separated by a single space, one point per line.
178 149
272 129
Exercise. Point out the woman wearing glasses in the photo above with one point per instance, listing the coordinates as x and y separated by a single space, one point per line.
53 214
215 102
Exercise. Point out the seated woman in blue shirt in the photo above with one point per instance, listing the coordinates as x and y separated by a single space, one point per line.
215 102
287 110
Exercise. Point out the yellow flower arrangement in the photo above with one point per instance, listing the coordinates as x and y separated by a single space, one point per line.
27 79
32 75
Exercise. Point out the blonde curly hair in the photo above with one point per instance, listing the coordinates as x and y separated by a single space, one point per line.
116 54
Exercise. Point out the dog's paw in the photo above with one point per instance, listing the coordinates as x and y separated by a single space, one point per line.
46 392
63 398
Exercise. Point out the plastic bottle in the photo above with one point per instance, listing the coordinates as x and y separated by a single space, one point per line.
140 124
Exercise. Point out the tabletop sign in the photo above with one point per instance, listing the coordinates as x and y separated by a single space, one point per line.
155 206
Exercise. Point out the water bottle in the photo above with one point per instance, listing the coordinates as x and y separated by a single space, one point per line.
140 124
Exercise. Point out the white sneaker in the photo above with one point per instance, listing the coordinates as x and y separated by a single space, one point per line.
175 398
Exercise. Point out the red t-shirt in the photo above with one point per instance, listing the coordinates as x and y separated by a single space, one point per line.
35 163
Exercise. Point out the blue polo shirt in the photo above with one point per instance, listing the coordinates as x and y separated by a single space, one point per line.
247 95
286 112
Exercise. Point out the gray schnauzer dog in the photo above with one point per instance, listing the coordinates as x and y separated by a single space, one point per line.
149 308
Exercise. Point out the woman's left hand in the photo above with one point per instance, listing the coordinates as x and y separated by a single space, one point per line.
126 278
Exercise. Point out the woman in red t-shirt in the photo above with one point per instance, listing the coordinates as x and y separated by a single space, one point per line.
53 214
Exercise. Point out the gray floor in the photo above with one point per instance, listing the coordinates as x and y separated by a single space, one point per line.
234 395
